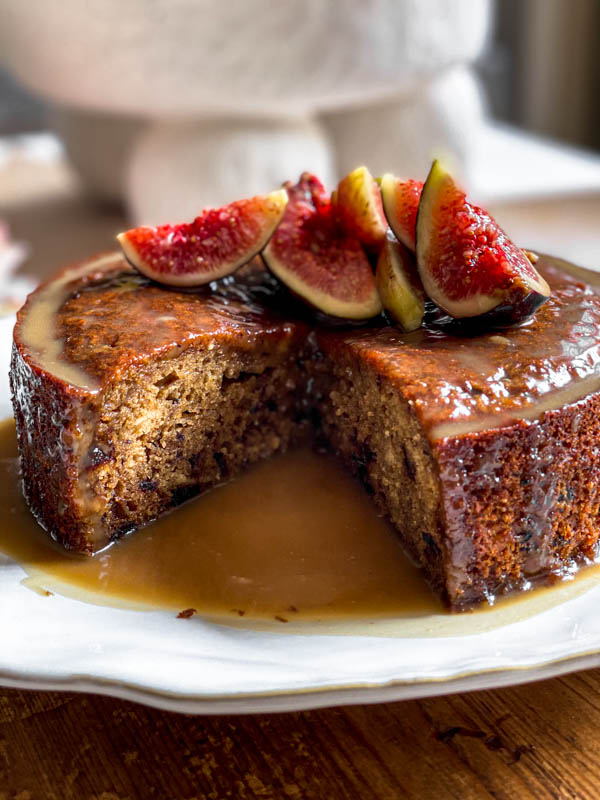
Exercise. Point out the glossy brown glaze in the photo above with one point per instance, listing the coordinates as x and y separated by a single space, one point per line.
103 316
458 381
108 327
465 381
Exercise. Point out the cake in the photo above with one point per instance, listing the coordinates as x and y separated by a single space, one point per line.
481 449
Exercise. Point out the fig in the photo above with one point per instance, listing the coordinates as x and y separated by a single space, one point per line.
400 203
399 285
468 265
215 244
317 260
358 207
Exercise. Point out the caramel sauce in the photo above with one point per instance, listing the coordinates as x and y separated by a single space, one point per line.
294 545
294 537
464 384
487 380
39 329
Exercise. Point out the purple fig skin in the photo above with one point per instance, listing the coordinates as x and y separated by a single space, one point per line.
509 314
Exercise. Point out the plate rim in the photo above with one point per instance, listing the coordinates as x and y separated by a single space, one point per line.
307 699
302 698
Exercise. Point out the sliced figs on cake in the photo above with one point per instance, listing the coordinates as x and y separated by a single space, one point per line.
317 260
400 203
214 245
359 210
399 285
468 265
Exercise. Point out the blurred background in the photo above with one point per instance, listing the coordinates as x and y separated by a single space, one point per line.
114 114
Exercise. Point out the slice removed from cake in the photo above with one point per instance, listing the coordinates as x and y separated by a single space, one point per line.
482 449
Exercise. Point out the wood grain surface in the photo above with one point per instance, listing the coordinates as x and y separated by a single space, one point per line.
534 741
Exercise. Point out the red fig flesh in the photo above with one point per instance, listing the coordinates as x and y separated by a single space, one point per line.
400 203
316 260
399 285
359 209
468 265
215 244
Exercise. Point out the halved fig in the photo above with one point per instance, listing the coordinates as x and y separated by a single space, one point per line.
468 265
400 203
358 207
316 260
215 244
399 285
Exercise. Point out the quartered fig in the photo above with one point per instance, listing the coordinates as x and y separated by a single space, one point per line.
317 260
399 285
468 265
357 204
215 244
400 203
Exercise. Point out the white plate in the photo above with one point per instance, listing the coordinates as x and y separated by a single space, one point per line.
196 666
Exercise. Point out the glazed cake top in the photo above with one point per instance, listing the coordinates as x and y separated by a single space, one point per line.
95 320
90 323
461 383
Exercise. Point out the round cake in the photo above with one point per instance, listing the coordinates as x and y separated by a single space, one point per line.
481 447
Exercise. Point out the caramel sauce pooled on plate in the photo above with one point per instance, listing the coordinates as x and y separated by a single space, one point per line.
294 540
294 537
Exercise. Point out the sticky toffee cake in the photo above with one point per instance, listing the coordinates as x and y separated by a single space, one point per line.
482 448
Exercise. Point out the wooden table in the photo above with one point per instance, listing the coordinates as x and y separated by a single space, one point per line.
535 741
